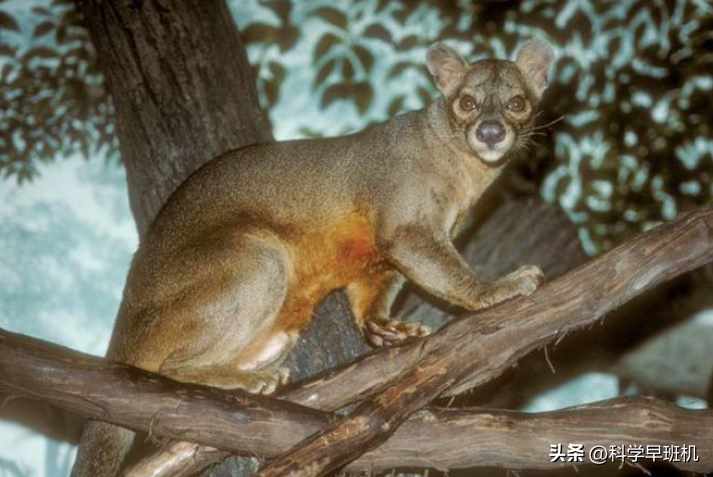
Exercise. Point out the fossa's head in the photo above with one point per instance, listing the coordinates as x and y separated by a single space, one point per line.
491 103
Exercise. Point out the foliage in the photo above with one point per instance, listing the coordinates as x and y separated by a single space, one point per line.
52 96
633 83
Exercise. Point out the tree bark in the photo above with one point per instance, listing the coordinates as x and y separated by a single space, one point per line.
449 439
471 352
182 88
254 425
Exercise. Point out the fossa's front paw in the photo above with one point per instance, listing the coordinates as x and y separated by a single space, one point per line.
385 332
522 282
526 279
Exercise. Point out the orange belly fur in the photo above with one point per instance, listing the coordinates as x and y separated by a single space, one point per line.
325 259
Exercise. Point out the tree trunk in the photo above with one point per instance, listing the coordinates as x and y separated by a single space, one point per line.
182 88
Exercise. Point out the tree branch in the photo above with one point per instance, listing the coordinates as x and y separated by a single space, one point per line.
90 386
254 425
463 438
451 439
470 352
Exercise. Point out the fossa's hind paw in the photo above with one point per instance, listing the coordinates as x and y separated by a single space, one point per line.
265 382
385 332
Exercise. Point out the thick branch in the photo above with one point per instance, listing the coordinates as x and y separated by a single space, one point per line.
140 400
463 438
451 439
242 424
471 352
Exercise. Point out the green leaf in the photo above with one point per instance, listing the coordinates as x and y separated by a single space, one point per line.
42 29
324 72
61 34
399 68
79 52
377 31
42 11
6 70
347 69
324 44
402 13
281 8
8 22
277 71
333 16
260 33
288 38
380 5
363 95
365 57
408 42
333 93
72 17
70 37
7 50
39 52
272 92
396 105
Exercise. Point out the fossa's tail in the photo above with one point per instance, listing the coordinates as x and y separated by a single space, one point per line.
102 449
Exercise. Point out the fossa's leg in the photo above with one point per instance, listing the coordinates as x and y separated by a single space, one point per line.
221 333
371 298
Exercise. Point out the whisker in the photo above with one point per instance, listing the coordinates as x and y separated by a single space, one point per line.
543 126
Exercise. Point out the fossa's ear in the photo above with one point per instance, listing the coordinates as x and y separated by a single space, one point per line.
446 66
534 58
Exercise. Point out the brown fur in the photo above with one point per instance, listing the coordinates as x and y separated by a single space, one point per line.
235 263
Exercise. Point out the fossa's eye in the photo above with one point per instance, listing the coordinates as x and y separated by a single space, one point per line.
516 104
467 103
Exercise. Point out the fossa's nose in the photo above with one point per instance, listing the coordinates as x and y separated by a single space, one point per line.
490 132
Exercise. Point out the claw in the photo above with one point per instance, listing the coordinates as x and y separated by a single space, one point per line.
381 332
